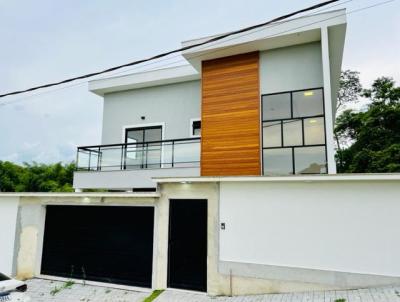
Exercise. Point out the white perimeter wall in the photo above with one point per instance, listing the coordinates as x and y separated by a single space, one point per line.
8 220
336 226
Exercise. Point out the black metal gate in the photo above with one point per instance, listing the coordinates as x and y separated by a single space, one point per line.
99 243
187 253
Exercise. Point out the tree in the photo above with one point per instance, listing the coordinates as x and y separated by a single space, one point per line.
36 177
349 89
374 134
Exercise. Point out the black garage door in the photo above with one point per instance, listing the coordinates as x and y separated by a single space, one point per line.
99 243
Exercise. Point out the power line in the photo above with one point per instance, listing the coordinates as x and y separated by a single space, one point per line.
214 39
214 51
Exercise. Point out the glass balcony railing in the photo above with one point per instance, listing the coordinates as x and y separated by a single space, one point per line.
133 156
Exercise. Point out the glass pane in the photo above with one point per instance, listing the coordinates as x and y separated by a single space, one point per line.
308 103
111 158
186 154
83 159
94 157
166 155
134 136
154 152
152 134
292 133
278 161
310 160
134 156
314 131
272 136
276 106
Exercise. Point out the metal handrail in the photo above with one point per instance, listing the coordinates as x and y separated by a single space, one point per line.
143 143
142 146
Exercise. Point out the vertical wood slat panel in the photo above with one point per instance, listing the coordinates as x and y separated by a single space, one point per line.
230 143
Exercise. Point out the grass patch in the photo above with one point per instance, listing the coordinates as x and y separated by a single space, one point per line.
340 300
153 295
65 285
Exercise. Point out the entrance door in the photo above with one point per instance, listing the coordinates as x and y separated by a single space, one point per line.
187 253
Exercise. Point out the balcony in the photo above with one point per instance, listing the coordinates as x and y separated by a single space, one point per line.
132 165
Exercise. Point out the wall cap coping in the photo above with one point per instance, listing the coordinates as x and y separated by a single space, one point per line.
80 194
296 178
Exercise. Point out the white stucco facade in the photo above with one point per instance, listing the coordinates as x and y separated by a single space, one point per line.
172 105
291 68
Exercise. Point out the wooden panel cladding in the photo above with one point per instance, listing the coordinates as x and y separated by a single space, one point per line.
230 143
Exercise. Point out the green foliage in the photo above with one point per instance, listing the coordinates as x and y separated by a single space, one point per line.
36 177
65 285
349 88
153 295
374 135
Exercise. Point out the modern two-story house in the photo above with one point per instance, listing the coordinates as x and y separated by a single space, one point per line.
259 103
218 176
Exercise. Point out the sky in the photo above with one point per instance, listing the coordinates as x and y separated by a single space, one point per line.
44 41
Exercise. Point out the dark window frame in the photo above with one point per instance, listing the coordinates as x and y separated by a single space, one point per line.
124 155
144 131
303 145
193 125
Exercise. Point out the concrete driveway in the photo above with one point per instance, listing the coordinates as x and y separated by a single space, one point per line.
42 290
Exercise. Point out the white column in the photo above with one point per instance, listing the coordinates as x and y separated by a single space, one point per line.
329 118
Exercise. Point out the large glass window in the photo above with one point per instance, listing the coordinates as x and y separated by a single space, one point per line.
294 133
139 154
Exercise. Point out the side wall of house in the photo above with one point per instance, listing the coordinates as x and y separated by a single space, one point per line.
172 105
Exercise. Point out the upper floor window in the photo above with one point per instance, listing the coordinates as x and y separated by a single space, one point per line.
195 127
294 133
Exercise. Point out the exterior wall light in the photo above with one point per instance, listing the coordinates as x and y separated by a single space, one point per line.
308 93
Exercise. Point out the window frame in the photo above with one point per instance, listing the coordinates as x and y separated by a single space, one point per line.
192 120
143 127
303 145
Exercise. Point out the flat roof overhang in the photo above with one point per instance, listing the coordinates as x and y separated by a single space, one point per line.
177 74
296 31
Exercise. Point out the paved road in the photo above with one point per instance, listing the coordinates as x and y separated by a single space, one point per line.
40 291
